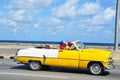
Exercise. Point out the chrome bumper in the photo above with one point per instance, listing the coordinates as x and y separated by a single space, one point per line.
112 65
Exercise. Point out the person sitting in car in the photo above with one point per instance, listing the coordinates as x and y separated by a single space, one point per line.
70 46
62 45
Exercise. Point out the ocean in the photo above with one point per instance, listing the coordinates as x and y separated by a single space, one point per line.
55 42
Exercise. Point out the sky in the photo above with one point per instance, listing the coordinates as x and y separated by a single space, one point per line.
56 20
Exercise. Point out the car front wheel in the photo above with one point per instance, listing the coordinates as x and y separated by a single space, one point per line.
95 68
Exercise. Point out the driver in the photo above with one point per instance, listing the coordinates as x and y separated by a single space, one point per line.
69 46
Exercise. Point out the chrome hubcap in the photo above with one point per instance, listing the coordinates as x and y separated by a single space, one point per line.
96 69
35 65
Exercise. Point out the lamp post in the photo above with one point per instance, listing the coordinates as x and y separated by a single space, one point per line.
116 27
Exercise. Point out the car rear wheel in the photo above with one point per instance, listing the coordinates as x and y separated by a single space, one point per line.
35 65
96 68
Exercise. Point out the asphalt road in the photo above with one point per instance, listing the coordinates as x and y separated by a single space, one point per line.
10 70
8 51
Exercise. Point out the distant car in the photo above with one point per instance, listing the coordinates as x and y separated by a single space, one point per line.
93 59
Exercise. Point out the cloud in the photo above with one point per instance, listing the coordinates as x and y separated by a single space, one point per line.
26 10
55 21
21 15
109 13
36 25
71 8
90 16
18 15
89 9
67 9
23 4
104 17
9 25
15 26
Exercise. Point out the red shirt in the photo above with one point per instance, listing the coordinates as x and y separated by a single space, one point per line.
62 46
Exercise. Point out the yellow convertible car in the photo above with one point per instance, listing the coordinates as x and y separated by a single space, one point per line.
93 59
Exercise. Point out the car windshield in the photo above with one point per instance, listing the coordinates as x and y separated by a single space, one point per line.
80 45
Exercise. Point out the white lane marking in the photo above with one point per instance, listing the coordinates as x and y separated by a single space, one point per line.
33 75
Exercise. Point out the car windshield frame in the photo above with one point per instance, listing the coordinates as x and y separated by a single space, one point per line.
79 45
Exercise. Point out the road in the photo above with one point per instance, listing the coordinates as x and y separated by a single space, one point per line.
8 51
10 70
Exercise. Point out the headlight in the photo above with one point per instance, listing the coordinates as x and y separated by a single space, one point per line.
109 58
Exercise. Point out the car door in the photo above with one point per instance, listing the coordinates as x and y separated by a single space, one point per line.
68 58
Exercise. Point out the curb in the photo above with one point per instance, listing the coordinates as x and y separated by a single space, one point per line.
6 57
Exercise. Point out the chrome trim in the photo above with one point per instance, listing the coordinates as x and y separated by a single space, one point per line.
112 65
14 60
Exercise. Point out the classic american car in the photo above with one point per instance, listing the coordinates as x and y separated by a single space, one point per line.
81 57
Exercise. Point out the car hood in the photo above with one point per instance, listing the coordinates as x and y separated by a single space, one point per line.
97 51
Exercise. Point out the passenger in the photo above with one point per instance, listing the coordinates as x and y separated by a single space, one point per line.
62 45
